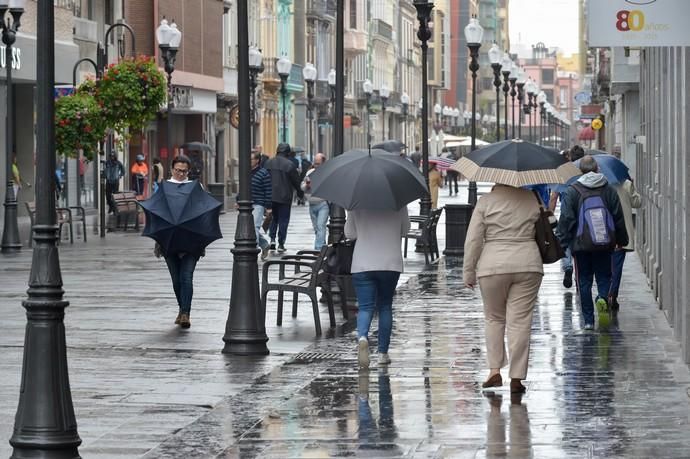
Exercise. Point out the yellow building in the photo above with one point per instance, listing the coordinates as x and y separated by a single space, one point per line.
569 63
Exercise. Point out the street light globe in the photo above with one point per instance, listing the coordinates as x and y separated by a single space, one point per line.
368 87
175 36
438 109
284 65
405 99
456 113
332 78
507 63
495 54
384 92
309 72
163 33
16 4
541 97
474 32
530 87
420 104
446 111
522 77
255 57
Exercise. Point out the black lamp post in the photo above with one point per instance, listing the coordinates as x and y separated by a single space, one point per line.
332 84
169 38
309 75
495 57
405 110
529 87
368 89
256 66
245 330
438 110
384 94
541 100
424 34
507 65
473 36
534 114
11 242
513 93
284 66
521 81
45 425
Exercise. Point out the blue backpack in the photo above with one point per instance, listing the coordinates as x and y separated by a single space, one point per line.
596 231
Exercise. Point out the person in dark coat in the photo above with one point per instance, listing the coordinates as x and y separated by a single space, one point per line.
284 180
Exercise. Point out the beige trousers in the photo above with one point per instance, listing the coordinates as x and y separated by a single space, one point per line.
508 303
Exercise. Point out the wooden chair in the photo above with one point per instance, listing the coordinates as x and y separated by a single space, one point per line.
338 279
63 217
298 275
126 207
426 234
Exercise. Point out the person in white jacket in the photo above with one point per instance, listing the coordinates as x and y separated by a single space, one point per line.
318 208
630 199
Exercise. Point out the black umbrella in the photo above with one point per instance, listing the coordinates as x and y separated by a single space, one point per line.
392 146
358 179
197 146
182 217
516 163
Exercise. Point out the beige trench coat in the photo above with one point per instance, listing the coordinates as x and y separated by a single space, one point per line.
630 199
500 238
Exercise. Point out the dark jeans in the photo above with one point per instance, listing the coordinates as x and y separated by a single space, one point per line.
375 291
280 221
617 260
182 274
590 265
110 188
452 178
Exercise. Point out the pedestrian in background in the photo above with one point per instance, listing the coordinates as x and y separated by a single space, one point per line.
140 174
158 174
376 266
592 224
16 177
284 182
261 200
318 208
501 253
416 157
630 199
435 182
114 171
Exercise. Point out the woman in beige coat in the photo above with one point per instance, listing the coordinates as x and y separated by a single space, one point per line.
502 254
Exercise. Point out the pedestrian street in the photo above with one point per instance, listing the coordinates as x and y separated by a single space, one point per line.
144 388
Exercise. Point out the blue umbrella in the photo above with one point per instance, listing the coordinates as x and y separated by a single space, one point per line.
182 218
613 168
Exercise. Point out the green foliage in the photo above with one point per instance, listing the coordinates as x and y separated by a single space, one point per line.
78 124
131 93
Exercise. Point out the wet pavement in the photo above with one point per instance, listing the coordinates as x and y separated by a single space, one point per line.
143 388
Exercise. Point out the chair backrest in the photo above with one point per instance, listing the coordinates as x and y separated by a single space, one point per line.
31 209
318 266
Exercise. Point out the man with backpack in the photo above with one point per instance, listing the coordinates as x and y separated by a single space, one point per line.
592 225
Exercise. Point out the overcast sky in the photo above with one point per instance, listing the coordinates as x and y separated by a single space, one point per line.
554 22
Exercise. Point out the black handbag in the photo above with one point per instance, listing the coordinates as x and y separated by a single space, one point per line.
339 257
549 247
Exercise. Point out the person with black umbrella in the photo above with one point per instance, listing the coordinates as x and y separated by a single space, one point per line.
284 180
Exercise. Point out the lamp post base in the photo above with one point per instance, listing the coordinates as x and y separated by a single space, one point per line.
11 242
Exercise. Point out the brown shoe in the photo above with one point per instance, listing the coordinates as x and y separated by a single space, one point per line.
177 321
516 387
184 321
494 381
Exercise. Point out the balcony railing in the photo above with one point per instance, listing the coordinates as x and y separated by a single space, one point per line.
382 29
322 9
72 5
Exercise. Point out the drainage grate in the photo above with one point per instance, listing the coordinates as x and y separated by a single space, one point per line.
306 357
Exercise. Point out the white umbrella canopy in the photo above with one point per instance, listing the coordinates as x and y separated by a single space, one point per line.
467 142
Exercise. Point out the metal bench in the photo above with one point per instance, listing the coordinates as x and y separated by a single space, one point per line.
298 274
125 207
63 217
426 234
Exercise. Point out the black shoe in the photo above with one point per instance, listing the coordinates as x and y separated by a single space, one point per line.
568 278
272 246
281 248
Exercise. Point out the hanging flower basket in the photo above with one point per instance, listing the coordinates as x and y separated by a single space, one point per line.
131 93
78 124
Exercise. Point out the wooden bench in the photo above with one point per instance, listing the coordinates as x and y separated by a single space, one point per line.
126 207
426 234
298 274
63 217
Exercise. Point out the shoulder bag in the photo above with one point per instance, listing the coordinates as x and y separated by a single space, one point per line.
339 256
549 247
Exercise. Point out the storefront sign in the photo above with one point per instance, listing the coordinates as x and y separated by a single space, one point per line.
638 23
16 57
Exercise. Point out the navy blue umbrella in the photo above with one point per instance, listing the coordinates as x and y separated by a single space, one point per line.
613 168
182 218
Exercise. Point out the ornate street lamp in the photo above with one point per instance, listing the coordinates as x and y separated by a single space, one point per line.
541 100
245 330
45 425
332 79
11 242
513 79
496 57
309 75
456 118
284 65
405 104
424 34
384 94
446 112
530 87
368 90
438 110
521 80
535 89
507 66
256 66
473 35
169 38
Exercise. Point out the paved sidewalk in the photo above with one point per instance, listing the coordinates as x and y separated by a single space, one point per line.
143 388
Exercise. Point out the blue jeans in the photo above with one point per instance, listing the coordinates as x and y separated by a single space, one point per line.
591 265
319 218
258 214
280 221
567 260
617 260
182 274
375 291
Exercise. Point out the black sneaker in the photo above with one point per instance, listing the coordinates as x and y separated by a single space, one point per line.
281 248
272 246
568 278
